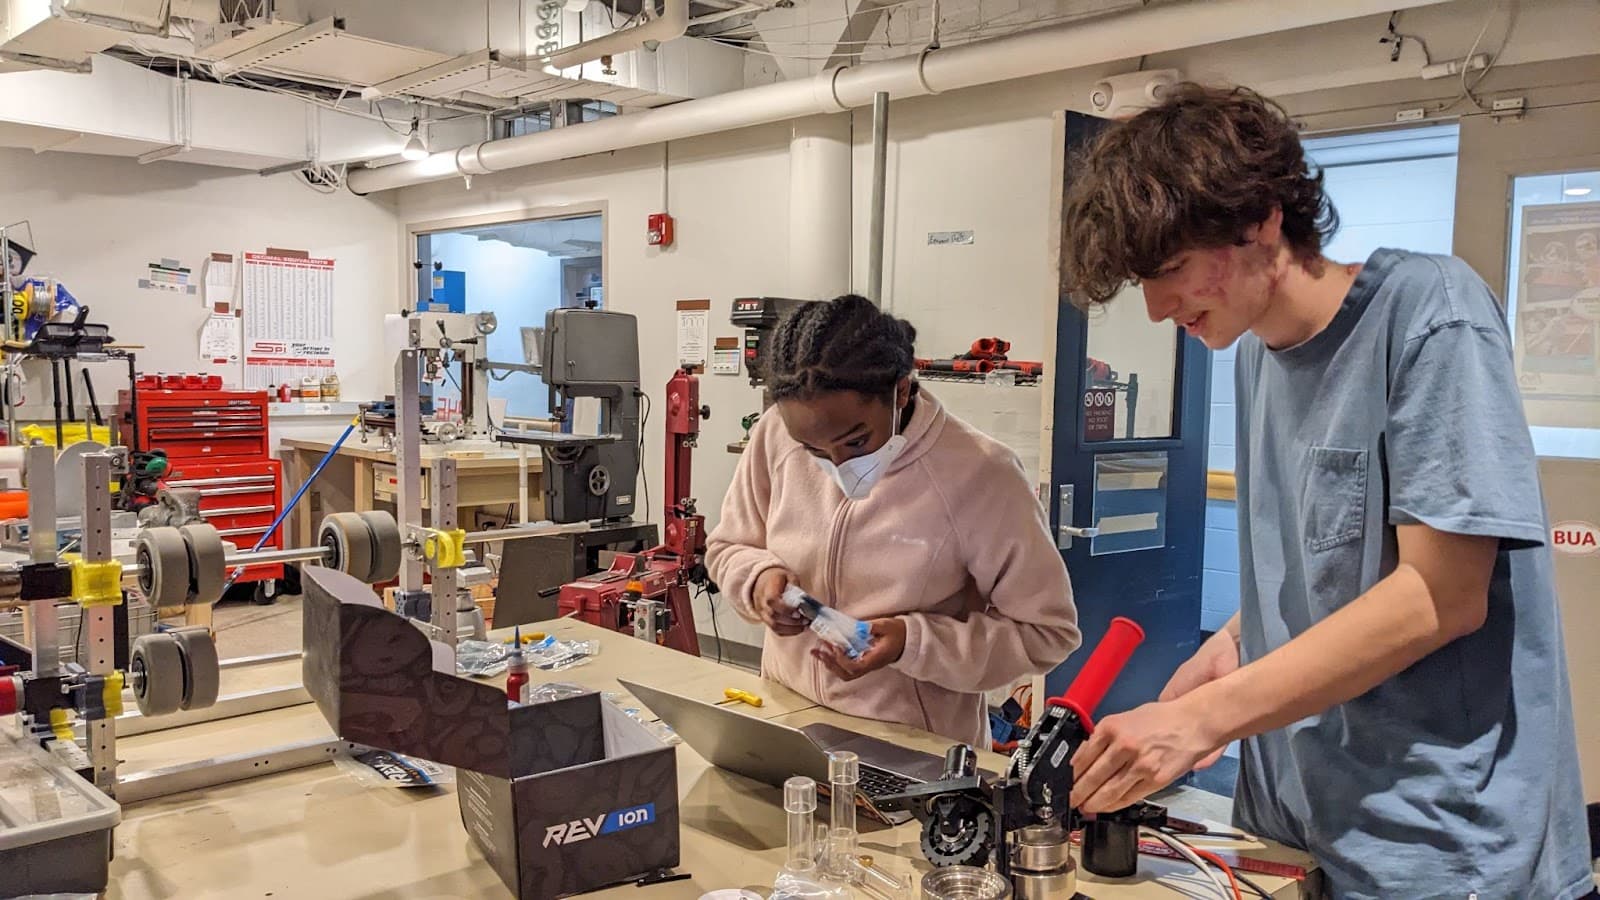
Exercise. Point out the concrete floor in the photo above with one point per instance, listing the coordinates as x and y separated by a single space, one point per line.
245 629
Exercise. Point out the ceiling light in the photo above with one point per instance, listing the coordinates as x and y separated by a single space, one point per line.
1578 191
414 149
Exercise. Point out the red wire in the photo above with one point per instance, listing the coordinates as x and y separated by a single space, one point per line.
1217 861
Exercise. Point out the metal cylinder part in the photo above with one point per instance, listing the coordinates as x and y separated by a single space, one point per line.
964 883
960 761
1041 864
1040 848
1061 884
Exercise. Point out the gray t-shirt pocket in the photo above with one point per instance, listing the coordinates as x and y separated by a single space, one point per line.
1335 498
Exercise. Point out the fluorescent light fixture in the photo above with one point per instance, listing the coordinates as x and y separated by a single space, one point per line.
1578 191
414 149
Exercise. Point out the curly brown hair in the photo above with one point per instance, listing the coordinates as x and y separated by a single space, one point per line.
1195 172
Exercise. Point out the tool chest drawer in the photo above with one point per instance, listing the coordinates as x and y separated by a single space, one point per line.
197 424
240 499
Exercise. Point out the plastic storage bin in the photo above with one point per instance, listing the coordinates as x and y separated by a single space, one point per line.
55 828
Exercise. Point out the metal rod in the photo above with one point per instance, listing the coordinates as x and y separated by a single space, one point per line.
445 578
880 177
310 479
66 376
522 484
94 405
408 460
239 662
55 390
39 471
206 773
101 734
131 723
527 531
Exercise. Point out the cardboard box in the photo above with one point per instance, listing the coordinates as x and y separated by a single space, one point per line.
562 797
598 804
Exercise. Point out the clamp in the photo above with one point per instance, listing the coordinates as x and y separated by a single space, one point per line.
445 549
96 583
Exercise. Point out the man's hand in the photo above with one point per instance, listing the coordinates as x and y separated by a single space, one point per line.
1132 755
888 644
767 598
1217 657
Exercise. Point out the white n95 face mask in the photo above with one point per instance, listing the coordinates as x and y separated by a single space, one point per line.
856 477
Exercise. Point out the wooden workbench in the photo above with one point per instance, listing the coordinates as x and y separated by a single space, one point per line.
486 478
319 833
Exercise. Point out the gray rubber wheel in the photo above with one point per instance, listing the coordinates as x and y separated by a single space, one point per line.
202 677
165 557
156 669
385 544
207 562
350 541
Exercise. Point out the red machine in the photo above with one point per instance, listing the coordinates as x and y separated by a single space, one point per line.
216 442
647 594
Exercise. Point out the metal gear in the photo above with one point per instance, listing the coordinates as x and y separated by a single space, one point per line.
959 832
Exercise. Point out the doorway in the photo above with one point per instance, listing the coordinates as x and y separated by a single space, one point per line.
518 270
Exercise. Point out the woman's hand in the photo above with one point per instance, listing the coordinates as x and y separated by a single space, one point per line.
767 598
888 644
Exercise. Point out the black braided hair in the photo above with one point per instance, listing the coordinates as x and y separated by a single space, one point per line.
843 344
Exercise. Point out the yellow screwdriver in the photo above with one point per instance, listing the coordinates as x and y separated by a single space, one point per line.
734 695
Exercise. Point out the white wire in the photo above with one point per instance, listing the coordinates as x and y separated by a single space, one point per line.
1466 62
1192 857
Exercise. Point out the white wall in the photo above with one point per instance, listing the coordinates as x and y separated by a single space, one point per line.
99 222
519 285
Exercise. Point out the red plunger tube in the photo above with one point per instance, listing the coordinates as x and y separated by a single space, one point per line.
1103 667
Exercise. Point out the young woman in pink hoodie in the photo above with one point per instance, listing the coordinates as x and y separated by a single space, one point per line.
867 494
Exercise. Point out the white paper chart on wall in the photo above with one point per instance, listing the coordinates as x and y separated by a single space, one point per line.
288 319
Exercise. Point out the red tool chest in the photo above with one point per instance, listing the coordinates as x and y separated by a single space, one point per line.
217 443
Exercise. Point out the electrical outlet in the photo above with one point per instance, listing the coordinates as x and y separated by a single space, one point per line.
1415 114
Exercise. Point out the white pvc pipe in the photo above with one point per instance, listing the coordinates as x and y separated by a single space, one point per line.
672 23
1127 35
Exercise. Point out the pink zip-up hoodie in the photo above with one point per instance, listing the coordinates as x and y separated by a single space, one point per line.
952 539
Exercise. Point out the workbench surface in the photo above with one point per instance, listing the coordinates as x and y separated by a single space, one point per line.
317 832
494 455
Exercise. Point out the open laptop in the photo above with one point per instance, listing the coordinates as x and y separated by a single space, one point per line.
768 752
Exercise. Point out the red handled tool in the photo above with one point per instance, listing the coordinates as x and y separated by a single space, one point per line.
967 818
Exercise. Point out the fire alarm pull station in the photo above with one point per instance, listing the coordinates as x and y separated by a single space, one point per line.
660 233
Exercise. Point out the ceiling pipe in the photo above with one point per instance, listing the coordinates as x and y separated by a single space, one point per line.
671 23
1126 35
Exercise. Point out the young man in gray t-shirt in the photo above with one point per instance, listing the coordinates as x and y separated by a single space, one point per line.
1396 670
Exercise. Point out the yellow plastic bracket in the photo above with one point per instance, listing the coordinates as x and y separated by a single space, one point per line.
60 724
97 584
446 549
112 695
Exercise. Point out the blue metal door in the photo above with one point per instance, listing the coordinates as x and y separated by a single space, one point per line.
1128 475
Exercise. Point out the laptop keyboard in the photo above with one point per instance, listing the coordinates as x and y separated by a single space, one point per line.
881 783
